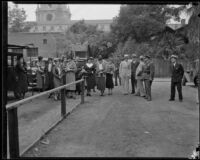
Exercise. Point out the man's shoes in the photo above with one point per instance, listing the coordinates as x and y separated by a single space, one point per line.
171 99
136 94
180 100
132 92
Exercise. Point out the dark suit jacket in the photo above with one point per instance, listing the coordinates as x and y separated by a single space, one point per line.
177 72
134 67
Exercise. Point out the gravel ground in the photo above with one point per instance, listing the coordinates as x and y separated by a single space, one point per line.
126 126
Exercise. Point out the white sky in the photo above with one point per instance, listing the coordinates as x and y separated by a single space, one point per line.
78 12
83 11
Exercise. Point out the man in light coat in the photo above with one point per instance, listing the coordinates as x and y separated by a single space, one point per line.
140 82
125 74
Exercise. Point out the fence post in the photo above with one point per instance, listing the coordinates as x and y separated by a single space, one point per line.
13 133
63 100
82 91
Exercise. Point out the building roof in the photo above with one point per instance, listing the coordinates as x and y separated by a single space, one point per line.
100 21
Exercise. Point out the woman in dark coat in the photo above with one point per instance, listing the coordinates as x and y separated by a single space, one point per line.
110 68
49 75
22 81
89 70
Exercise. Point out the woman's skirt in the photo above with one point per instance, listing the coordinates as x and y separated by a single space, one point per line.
40 80
101 83
70 77
90 82
109 81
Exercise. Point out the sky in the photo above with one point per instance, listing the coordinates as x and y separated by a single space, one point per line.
87 12
78 12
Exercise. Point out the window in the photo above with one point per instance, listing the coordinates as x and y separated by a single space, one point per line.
52 28
44 28
44 41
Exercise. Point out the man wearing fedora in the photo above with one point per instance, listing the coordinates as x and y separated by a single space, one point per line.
149 70
134 65
177 73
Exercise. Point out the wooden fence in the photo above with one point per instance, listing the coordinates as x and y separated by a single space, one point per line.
162 67
13 117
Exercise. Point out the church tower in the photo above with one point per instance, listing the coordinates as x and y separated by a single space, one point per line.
52 18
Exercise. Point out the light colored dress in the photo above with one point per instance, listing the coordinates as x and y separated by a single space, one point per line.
101 79
125 74
70 70
40 75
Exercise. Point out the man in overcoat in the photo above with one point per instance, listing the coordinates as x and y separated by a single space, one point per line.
177 73
134 65
149 71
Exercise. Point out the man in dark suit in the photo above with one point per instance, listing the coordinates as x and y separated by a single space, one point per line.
134 65
177 73
149 71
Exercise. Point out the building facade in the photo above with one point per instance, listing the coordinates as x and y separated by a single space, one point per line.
57 18
52 20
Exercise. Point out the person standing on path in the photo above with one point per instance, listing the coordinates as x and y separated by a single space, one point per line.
177 73
40 73
149 70
139 77
100 78
89 70
70 70
134 65
21 77
116 74
110 68
125 74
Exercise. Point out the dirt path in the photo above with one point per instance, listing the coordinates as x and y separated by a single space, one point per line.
127 126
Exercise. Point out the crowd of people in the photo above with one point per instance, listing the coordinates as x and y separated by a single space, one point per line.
99 74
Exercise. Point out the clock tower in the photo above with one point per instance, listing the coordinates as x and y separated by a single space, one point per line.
52 18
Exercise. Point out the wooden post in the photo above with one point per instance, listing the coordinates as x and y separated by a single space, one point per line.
63 100
82 91
13 133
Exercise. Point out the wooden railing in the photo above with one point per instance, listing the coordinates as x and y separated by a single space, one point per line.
13 117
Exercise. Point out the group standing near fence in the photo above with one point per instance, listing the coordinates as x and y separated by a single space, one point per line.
100 74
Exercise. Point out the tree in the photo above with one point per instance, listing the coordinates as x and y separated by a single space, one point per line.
140 22
16 18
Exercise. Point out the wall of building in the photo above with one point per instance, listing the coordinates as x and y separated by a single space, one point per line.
46 43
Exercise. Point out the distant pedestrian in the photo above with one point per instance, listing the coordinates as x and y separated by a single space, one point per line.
134 65
101 78
139 77
177 73
49 76
125 74
149 70
40 73
110 68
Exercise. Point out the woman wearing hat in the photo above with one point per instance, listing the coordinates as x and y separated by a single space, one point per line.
57 79
101 79
89 70
22 82
40 73
125 74
110 68
70 70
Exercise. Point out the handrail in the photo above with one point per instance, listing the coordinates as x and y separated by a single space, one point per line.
16 104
